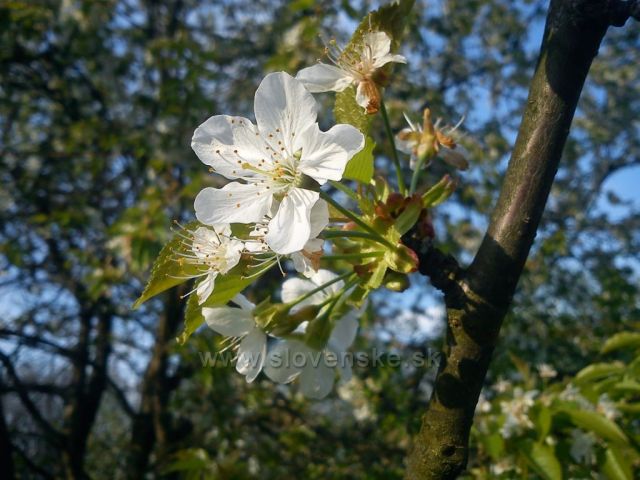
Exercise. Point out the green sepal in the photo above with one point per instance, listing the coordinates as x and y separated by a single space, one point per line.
439 192
401 260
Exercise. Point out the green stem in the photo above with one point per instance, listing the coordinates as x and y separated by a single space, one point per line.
394 153
416 176
353 256
327 234
350 215
302 298
344 189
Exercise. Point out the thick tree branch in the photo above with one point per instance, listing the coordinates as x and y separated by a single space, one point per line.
477 299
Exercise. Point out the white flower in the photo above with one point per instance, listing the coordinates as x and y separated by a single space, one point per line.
307 260
239 324
483 405
546 371
582 446
607 407
316 369
501 467
280 162
516 412
353 69
216 251
502 385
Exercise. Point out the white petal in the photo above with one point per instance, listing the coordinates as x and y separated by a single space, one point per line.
252 353
228 321
344 332
405 146
205 241
314 245
294 288
319 217
205 287
289 230
284 109
344 368
324 78
256 246
302 261
225 143
302 264
234 203
323 276
285 360
232 254
362 98
325 154
389 58
377 44
316 381
243 302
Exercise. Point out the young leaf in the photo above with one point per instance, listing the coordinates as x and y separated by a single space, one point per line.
543 459
615 465
192 319
347 110
599 370
598 424
622 340
169 269
360 167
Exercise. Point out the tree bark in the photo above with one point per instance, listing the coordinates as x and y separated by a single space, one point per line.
151 425
478 298
6 449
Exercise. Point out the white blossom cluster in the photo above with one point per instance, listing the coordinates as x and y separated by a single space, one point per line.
276 167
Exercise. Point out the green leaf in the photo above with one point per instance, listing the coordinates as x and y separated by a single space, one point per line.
543 459
192 318
346 110
170 268
494 444
599 370
360 167
615 465
226 287
598 424
543 422
627 385
620 341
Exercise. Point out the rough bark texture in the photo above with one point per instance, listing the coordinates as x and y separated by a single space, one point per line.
478 298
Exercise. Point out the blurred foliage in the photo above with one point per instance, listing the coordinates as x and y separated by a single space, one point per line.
98 101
